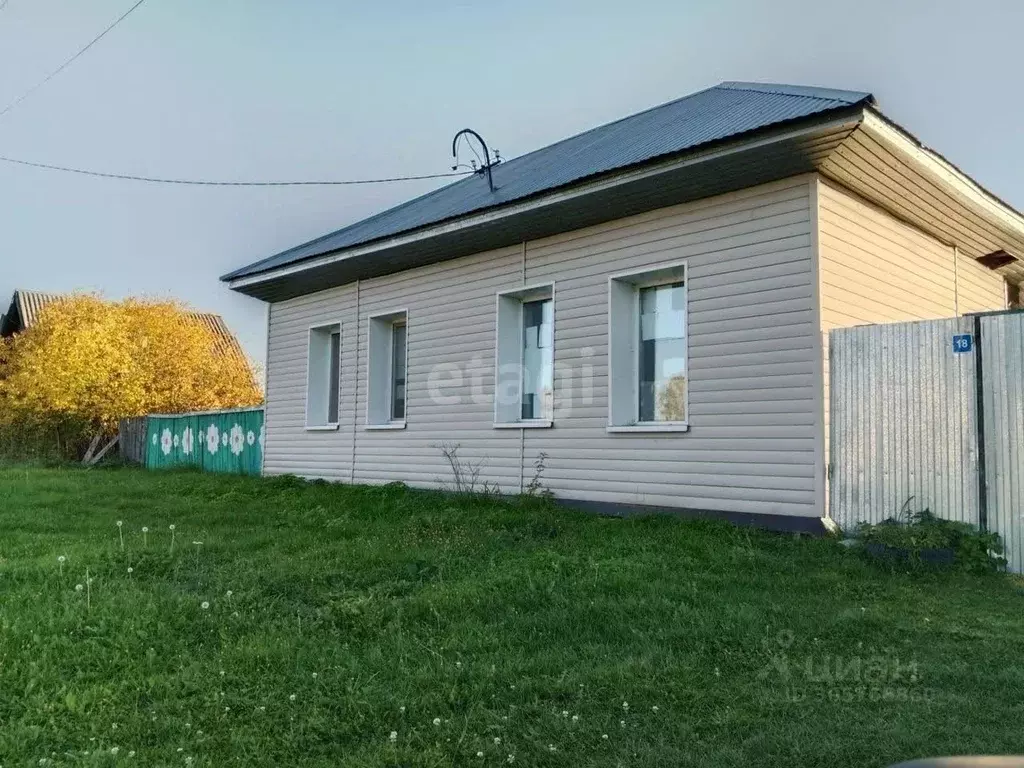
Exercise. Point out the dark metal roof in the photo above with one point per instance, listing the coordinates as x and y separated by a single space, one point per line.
723 112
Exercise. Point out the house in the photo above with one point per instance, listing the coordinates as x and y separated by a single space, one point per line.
642 309
26 305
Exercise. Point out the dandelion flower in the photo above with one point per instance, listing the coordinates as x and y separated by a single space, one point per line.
205 605
145 529
229 593
61 559
120 523
437 721
393 737
292 697
171 526
79 587
130 569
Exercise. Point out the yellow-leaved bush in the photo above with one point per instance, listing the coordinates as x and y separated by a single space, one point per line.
86 363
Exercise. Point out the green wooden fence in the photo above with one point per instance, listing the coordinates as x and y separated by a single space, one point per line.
216 441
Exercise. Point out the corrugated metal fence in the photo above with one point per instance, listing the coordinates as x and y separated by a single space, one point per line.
216 441
905 428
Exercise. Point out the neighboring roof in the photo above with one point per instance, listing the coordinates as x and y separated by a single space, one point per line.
725 111
25 307
24 310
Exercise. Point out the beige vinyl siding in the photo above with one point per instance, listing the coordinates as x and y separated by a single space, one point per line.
289 447
875 268
753 364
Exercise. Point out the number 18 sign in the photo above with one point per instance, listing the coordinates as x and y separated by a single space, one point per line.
962 343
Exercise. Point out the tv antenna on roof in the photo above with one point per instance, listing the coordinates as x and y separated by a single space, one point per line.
485 162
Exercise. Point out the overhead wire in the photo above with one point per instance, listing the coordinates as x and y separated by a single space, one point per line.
187 182
69 61
216 183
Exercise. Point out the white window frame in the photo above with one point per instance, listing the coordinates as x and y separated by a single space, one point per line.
624 346
312 421
379 369
508 349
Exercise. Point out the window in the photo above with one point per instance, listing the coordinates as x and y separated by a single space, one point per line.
648 375
524 366
387 402
398 372
323 377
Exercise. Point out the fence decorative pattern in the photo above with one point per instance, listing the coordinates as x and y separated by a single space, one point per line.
216 441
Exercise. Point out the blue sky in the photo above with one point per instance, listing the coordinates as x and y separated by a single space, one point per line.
268 90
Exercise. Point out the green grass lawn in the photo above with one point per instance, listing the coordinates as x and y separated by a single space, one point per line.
332 625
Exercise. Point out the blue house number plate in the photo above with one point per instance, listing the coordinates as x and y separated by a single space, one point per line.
963 343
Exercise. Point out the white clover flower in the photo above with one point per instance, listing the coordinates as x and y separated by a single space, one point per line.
131 753
604 735
565 713
497 739
263 709
625 705
292 697
114 750
575 718
622 723
229 593
393 737
551 748
510 759
400 709
654 708
205 605
479 754
437 721
79 587
315 676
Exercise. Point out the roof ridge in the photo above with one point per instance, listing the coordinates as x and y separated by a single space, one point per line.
799 91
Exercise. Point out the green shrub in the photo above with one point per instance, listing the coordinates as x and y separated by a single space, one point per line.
915 533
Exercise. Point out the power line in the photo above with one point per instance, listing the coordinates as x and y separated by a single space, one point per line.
67 63
213 183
